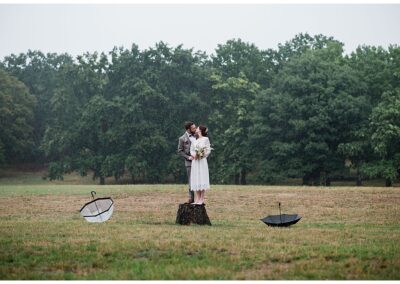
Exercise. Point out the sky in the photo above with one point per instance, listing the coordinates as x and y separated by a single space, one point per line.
77 29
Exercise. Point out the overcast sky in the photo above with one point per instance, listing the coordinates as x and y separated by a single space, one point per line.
79 28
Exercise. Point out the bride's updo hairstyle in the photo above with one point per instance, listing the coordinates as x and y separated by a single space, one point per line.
204 130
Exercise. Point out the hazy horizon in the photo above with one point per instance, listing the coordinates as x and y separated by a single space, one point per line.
76 29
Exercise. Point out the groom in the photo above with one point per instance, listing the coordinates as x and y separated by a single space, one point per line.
184 150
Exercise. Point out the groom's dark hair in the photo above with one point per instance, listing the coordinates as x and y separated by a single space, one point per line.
188 124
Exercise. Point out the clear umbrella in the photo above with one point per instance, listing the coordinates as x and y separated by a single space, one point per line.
98 210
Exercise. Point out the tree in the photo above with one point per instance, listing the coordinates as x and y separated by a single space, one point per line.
78 99
16 119
372 64
231 119
237 57
299 122
377 70
385 138
302 110
298 45
357 151
39 72
161 88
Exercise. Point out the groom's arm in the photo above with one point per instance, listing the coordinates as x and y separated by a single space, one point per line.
181 149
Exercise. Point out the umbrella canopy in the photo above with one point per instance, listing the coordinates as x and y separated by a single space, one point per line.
281 220
98 210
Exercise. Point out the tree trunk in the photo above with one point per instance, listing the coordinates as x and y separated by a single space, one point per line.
306 179
189 213
317 178
388 182
359 179
312 179
102 180
243 177
328 181
236 178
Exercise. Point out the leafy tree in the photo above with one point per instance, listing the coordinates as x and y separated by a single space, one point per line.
38 71
77 100
385 138
302 110
313 103
236 57
231 119
300 44
16 119
372 64
357 151
376 67
394 67
161 87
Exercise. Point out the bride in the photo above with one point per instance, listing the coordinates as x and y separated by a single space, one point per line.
199 177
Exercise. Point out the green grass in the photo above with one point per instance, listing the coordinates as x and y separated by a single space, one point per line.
345 233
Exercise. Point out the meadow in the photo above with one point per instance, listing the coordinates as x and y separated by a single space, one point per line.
345 233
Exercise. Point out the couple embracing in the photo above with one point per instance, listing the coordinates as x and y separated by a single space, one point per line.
195 147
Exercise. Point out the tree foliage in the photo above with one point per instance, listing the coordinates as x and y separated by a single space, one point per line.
303 110
16 120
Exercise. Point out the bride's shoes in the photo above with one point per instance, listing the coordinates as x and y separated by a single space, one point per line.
194 203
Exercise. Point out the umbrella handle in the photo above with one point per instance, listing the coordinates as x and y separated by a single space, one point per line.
93 194
280 214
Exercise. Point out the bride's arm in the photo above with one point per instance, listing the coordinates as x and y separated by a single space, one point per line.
207 150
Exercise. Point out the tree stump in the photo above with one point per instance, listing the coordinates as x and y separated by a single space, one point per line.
190 213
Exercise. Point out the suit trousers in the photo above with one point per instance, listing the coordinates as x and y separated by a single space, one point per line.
191 193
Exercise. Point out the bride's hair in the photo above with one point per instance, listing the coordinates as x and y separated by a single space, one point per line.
204 130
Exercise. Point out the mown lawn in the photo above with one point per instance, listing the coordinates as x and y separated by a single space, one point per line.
345 233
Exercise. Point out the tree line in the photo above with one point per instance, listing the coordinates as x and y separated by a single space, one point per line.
302 110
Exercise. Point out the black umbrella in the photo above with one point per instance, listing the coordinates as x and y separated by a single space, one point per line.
281 220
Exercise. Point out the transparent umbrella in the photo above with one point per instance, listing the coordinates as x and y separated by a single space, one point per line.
98 210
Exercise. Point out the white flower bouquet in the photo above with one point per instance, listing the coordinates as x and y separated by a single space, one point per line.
200 152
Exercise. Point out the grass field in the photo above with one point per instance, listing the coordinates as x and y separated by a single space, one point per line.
345 233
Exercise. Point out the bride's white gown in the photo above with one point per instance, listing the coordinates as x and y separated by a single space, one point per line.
199 177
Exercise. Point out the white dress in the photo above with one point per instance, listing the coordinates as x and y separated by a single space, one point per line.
199 177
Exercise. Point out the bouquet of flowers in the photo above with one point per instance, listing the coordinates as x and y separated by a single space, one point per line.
200 151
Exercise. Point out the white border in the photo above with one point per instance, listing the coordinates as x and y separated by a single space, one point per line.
293 2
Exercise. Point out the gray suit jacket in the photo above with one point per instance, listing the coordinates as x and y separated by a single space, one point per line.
184 148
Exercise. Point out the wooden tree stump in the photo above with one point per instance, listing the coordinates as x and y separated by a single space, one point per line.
190 213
